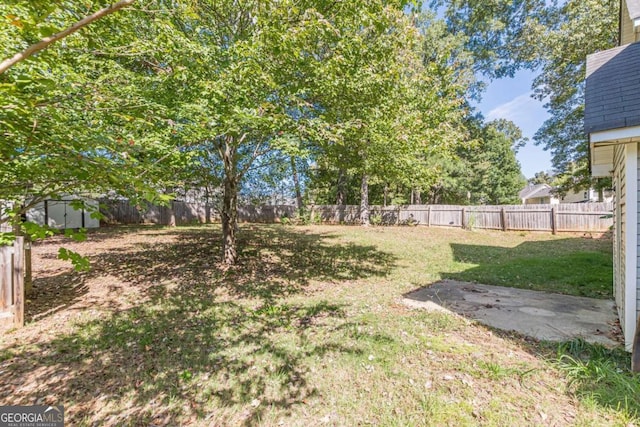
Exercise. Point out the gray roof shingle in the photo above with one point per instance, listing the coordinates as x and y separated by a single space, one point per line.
612 97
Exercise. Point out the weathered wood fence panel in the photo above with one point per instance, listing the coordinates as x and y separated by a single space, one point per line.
443 215
570 217
335 214
123 212
265 213
563 217
529 217
12 284
588 216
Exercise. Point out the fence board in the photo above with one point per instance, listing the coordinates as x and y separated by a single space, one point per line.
6 293
572 217
12 284
18 282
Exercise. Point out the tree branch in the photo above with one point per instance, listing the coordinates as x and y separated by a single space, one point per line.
45 42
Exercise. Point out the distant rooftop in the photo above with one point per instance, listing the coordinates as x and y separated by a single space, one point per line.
535 190
634 8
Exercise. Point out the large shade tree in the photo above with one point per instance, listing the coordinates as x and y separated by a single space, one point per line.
590 26
385 125
239 77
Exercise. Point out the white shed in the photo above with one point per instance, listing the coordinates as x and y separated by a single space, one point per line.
62 214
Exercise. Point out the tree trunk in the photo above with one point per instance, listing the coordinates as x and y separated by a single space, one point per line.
229 206
171 220
207 206
364 201
341 195
417 196
434 195
296 184
601 194
386 193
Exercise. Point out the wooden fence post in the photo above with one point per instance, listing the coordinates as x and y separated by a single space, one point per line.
503 218
6 278
464 219
554 220
18 281
429 216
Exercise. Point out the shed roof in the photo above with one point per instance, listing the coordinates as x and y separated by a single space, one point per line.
535 191
634 8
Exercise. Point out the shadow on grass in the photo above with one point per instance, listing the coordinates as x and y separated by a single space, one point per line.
275 261
561 266
52 294
190 352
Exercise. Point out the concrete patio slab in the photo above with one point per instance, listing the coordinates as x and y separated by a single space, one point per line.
541 315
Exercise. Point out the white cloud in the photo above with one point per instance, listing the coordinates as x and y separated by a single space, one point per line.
516 110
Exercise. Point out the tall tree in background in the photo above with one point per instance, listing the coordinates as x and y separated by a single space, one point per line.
494 175
541 177
501 34
484 171
360 90
387 126
242 75
581 27
553 38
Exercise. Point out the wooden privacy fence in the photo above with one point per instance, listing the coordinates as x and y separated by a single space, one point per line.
12 284
569 217
183 213
177 213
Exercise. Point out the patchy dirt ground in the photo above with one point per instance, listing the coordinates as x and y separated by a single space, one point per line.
307 330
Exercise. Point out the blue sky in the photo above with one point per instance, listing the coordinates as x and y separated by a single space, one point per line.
510 98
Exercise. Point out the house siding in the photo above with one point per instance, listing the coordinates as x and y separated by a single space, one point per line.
627 32
637 238
539 201
619 241
631 243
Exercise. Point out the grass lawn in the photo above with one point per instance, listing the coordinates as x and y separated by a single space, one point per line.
307 330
